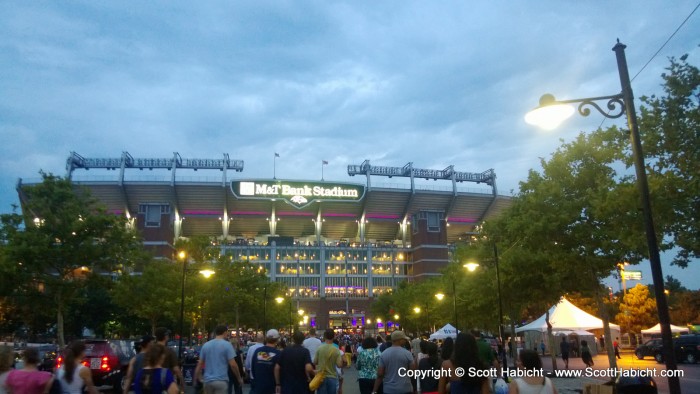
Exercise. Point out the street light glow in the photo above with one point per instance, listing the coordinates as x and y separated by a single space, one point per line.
416 309
279 300
182 255
439 296
207 273
471 267
549 115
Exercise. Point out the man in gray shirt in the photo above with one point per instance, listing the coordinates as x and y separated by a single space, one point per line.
390 362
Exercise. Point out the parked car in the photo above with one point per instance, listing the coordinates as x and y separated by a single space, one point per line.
47 355
108 359
685 347
648 348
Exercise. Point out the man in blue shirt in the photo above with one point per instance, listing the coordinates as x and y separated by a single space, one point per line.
215 359
263 364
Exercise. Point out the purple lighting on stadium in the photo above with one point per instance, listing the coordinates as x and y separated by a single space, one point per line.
194 212
295 214
115 211
338 215
248 213
462 220
381 216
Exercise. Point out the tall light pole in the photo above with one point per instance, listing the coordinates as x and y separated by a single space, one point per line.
183 257
618 105
498 285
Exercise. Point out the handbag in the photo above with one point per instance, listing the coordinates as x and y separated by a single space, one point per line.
315 383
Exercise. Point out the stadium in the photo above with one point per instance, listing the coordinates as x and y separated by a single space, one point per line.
336 245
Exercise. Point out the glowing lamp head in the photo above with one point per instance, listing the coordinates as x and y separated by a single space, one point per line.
550 114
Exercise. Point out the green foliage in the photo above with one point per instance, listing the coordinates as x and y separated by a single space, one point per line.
669 125
62 236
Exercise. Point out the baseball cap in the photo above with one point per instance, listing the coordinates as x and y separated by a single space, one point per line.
398 334
273 334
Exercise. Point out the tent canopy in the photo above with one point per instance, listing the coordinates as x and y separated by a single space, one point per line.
447 331
657 329
566 316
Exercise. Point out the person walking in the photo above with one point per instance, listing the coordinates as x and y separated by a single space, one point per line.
465 356
252 347
7 359
564 348
29 380
233 386
294 368
391 361
137 362
429 381
312 343
218 356
73 375
534 382
616 346
153 378
586 356
171 361
367 364
263 364
327 358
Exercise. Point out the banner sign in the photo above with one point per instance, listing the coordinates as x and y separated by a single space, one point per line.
297 194
632 275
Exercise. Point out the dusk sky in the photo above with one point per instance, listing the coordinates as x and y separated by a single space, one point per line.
433 83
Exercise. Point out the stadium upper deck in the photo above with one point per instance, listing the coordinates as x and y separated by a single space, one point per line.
209 206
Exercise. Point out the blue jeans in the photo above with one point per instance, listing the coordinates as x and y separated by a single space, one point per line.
328 386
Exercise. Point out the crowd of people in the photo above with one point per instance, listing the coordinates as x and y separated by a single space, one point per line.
273 364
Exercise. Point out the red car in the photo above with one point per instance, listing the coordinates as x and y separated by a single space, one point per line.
107 359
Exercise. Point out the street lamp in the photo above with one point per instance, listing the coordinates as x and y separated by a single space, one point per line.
207 273
618 105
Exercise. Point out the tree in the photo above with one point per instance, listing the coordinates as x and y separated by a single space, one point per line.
637 310
153 295
669 125
61 237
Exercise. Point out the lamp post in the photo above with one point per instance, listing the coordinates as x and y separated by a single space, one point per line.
618 105
182 255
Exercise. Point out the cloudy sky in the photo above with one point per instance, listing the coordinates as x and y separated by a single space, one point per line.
433 83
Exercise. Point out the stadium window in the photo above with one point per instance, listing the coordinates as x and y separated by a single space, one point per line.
153 212
434 222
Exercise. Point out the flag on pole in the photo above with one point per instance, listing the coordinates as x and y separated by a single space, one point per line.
324 162
277 154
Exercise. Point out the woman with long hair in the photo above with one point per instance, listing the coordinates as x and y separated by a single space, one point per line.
431 362
465 355
7 359
367 364
534 382
29 380
446 349
153 378
73 375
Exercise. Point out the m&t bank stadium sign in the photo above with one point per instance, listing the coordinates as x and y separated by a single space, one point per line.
298 194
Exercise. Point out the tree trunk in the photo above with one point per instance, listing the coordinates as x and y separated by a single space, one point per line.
550 340
59 321
238 331
606 330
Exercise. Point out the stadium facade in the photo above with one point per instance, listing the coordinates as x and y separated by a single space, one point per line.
336 245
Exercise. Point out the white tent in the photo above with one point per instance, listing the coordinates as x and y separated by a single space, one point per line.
566 316
657 329
447 331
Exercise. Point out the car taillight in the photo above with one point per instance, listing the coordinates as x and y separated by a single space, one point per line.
59 362
104 365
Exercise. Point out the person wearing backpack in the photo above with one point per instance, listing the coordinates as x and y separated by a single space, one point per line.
137 362
153 378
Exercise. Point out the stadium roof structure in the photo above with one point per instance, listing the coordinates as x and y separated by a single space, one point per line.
204 203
